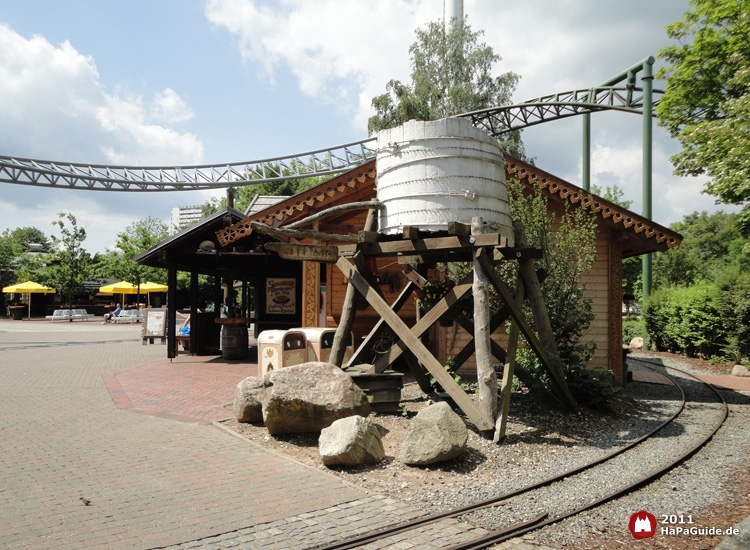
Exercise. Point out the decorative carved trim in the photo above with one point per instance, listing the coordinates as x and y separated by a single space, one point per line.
310 293
320 195
615 308
575 195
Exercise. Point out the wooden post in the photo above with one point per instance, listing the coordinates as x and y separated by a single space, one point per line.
486 377
171 309
539 311
509 367
348 310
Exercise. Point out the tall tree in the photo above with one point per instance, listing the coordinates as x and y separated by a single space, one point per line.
67 264
707 105
18 250
451 74
137 237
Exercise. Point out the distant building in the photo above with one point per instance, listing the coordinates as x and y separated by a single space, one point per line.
185 216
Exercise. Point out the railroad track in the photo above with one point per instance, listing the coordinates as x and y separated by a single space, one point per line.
700 414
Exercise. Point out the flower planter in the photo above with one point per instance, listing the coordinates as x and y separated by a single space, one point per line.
17 312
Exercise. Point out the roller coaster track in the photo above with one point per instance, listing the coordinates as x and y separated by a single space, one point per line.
329 161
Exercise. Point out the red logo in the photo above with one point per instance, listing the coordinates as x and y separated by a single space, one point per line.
642 525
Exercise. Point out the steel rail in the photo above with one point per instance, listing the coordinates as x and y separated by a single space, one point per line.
408 526
322 162
489 541
518 529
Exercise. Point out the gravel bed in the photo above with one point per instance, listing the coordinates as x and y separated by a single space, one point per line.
691 427
713 486
543 442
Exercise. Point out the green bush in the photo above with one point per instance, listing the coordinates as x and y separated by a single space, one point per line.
689 320
634 327
590 387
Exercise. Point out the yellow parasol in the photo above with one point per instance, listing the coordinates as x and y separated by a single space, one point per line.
150 287
29 287
123 287
153 287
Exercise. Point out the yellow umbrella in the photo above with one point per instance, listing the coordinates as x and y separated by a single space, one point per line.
29 287
153 287
123 287
150 287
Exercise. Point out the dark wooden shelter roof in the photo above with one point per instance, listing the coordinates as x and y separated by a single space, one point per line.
183 250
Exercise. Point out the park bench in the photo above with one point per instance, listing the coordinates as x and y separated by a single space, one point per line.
129 316
69 315
60 315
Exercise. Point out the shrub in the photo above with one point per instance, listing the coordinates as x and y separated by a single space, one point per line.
687 320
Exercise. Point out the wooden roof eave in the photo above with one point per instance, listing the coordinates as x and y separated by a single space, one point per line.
643 235
335 191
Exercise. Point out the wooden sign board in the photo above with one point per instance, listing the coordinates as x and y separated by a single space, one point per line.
305 252
155 323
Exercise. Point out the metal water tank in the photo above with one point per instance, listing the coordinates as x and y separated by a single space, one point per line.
431 173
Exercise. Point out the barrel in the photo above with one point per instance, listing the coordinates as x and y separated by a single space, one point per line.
234 343
431 173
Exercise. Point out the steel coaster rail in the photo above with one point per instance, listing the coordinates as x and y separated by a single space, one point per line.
539 522
328 161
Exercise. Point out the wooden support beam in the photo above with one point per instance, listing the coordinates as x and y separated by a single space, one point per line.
410 232
429 319
496 321
301 234
434 246
328 212
366 345
456 228
481 421
486 377
349 308
558 378
509 366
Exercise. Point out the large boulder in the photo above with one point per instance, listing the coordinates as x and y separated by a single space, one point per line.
436 434
247 406
351 441
740 370
309 397
636 344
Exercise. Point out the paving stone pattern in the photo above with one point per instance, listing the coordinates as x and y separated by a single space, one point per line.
70 395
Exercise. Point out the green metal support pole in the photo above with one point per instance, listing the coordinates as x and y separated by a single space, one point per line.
586 162
648 109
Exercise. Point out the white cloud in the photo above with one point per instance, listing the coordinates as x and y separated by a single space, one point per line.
341 52
52 102
168 106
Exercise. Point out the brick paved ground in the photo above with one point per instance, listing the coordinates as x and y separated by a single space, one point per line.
151 481
68 431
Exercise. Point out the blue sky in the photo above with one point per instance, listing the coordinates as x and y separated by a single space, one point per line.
178 82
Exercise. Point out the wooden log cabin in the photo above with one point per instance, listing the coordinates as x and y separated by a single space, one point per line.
620 234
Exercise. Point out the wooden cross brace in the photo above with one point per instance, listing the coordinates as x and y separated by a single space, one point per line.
411 340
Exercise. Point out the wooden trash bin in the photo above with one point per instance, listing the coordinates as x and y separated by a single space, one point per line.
281 348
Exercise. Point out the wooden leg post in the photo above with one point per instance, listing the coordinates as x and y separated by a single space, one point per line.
348 310
509 367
